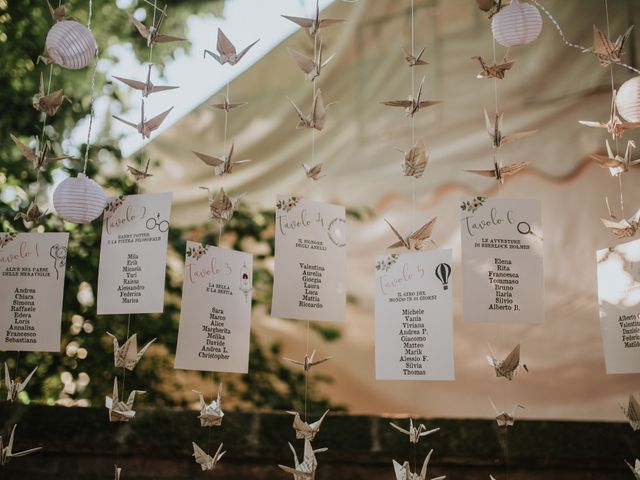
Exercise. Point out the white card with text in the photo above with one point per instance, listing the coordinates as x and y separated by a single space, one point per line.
414 316
215 318
133 254
32 268
502 251
619 301
310 260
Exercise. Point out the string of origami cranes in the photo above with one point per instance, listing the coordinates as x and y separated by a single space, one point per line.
71 45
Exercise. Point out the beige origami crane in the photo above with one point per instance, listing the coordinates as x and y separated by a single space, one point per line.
127 356
605 50
615 163
505 419
415 240
305 430
310 66
316 23
491 477
305 470
146 87
118 471
415 160
632 412
145 127
210 415
634 469
412 105
493 70
32 215
140 174
403 472
491 7
414 60
120 411
415 434
624 228
37 157
59 13
14 387
48 104
509 367
499 172
615 126
315 172
308 361
227 105
227 51
316 118
6 453
152 34
206 461
221 207
494 129
221 165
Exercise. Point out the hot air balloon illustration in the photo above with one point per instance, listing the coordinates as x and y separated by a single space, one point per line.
245 281
443 272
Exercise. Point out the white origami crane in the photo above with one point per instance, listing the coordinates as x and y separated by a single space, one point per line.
316 23
616 164
6 453
120 411
632 412
505 419
14 387
308 361
306 430
211 415
305 470
635 470
127 356
206 461
147 87
403 472
509 367
146 127
415 434
227 52
118 471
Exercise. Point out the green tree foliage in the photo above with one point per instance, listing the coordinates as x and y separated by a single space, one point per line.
83 372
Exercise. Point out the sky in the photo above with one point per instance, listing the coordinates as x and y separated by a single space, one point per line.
243 22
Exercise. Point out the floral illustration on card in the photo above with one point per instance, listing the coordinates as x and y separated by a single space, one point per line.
472 205
113 204
287 204
6 238
197 252
386 264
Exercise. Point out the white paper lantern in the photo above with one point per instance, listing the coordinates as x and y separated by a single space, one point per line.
79 199
70 45
516 24
628 100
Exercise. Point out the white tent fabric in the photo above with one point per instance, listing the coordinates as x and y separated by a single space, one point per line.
551 87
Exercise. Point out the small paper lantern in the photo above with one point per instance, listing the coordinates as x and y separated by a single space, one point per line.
79 199
516 24
70 45
628 100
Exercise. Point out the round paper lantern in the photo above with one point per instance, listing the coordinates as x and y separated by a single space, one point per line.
516 24
628 100
70 45
79 199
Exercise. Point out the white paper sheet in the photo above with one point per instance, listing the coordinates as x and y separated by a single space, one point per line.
133 254
414 316
619 300
502 274
32 268
310 260
215 318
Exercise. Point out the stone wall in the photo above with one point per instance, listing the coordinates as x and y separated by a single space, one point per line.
80 444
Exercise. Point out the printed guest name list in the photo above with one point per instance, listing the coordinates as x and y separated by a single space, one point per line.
133 254
502 261
32 269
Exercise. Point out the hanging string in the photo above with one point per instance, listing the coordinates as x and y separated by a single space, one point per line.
413 122
574 45
92 98
226 121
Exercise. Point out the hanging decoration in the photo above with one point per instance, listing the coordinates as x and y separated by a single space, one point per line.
516 24
415 240
6 451
79 199
70 45
628 100
15 386
505 419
